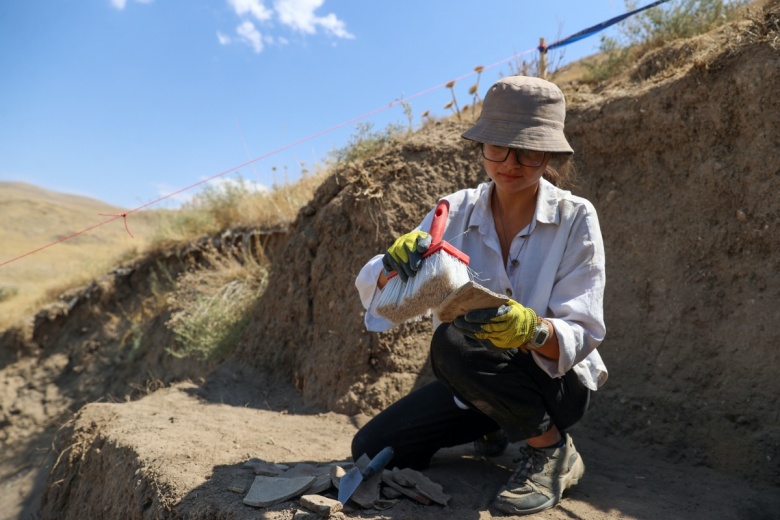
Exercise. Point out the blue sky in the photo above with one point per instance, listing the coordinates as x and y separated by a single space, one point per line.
128 101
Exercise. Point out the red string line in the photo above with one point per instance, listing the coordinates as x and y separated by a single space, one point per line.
278 150
63 239
123 215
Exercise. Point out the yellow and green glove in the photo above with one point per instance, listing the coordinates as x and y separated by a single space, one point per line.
508 326
405 255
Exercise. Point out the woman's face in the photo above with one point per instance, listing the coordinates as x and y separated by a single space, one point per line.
513 177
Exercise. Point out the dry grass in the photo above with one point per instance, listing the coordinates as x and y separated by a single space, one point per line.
237 204
653 28
35 217
211 305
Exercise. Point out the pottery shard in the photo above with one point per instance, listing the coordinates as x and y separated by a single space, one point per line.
261 467
387 479
321 476
267 491
321 505
410 478
470 296
367 493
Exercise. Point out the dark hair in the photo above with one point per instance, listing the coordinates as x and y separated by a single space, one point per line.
561 171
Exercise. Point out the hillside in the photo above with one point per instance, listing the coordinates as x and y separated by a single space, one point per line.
34 217
677 157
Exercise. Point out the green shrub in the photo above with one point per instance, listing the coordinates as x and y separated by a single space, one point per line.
366 142
654 27
6 293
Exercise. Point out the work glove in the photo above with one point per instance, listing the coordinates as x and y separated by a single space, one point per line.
508 326
405 255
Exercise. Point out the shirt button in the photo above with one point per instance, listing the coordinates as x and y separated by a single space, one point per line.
508 291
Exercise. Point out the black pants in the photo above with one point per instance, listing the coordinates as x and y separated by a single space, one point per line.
502 389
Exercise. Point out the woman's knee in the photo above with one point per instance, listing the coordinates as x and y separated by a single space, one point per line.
446 355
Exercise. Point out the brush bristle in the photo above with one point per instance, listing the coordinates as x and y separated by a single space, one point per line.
439 276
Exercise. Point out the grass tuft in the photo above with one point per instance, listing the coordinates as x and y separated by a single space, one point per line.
211 305
6 293
366 142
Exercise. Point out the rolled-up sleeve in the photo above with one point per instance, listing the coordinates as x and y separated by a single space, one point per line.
366 286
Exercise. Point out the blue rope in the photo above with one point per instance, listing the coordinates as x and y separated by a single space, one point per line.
590 31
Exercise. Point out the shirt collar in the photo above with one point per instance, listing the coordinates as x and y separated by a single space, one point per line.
547 210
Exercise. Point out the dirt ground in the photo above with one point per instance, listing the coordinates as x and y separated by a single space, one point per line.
153 443
679 158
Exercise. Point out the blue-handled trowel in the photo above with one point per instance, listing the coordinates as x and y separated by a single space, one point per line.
350 482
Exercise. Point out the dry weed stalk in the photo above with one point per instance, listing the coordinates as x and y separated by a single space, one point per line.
474 91
450 85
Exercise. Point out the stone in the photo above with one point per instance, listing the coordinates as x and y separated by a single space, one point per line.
408 477
267 491
387 478
391 493
321 505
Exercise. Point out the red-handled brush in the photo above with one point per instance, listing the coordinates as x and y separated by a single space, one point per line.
444 269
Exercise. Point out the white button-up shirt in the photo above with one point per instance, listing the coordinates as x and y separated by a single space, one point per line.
555 266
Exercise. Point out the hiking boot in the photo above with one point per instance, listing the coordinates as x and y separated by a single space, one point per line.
540 479
491 445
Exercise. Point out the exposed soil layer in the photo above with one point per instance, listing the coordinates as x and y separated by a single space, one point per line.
179 453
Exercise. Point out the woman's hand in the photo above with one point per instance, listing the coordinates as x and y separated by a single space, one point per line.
508 326
405 255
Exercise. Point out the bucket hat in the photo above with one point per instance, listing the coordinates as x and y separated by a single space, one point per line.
522 112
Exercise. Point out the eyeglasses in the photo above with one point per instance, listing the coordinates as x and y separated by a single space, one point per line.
495 153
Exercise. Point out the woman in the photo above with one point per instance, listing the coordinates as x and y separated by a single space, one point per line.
523 371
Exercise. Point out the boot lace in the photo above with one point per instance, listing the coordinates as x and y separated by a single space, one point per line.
531 461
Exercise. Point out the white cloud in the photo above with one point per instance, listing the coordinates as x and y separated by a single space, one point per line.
255 8
172 201
121 4
299 15
248 33
226 183
224 39
334 26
